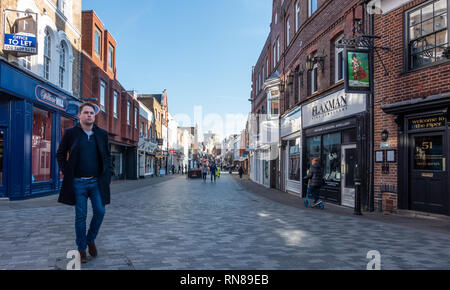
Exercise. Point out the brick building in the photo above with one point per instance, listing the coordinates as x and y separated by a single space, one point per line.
411 107
298 77
118 108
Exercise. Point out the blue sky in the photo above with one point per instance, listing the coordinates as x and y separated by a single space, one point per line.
201 51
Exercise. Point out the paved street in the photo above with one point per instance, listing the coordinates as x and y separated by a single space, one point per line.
185 224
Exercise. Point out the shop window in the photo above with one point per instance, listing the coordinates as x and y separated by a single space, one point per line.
331 157
41 145
294 159
427 33
313 149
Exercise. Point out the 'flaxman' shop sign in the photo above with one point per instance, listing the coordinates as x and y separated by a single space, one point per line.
338 105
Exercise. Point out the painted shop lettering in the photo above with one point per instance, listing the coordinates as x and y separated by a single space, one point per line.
329 105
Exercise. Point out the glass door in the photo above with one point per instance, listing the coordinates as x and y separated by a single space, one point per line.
348 162
2 162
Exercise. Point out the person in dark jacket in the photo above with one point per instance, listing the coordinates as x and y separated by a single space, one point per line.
213 170
315 178
87 174
241 171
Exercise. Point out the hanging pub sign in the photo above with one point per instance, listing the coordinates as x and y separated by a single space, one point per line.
358 71
20 33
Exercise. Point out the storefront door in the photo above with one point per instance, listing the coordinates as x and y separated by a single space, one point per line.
3 162
348 161
428 173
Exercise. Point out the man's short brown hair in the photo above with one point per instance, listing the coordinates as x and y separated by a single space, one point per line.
80 109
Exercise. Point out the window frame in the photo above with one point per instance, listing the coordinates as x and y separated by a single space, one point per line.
47 54
62 63
116 104
297 15
102 95
110 56
98 32
337 51
288 31
407 59
310 12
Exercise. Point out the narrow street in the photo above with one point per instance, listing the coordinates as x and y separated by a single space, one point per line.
180 224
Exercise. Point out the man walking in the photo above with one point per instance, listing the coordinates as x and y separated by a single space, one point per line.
213 170
87 174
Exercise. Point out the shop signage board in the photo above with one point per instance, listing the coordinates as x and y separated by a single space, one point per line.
427 123
20 38
335 106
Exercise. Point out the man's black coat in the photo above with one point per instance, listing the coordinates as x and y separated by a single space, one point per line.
70 144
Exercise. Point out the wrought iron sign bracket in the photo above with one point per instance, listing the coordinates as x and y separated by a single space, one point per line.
364 41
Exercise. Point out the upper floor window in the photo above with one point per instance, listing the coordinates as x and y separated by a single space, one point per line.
288 32
135 117
110 56
102 95
98 42
297 15
427 33
278 50
276 18
26 62
128 112
47 54
339 61
312 7
116 99
274 55
62 63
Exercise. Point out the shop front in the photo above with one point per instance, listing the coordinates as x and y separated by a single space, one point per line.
33 117
333 127
291 152
423 151
146 153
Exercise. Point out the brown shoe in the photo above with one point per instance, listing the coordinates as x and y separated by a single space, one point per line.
92 249
83 257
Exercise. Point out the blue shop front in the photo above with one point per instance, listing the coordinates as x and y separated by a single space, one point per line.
33 117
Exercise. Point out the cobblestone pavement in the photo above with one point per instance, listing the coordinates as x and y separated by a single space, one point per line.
184 224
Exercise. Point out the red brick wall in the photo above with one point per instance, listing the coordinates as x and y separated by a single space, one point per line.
398 86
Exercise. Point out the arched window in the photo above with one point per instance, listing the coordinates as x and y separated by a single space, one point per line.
47 53
62 63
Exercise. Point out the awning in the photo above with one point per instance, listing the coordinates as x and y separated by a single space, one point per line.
419 104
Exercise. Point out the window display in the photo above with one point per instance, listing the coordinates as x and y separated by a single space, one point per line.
41 145
331 157
294 159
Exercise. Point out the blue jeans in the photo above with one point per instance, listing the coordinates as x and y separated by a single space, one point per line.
315 193
85 189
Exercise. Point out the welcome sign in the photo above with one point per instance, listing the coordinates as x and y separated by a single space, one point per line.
335 106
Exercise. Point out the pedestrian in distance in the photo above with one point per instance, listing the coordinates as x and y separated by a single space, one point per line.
213 170
179 169
218 172
315 181
204 172
173 169
87 174
241 172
